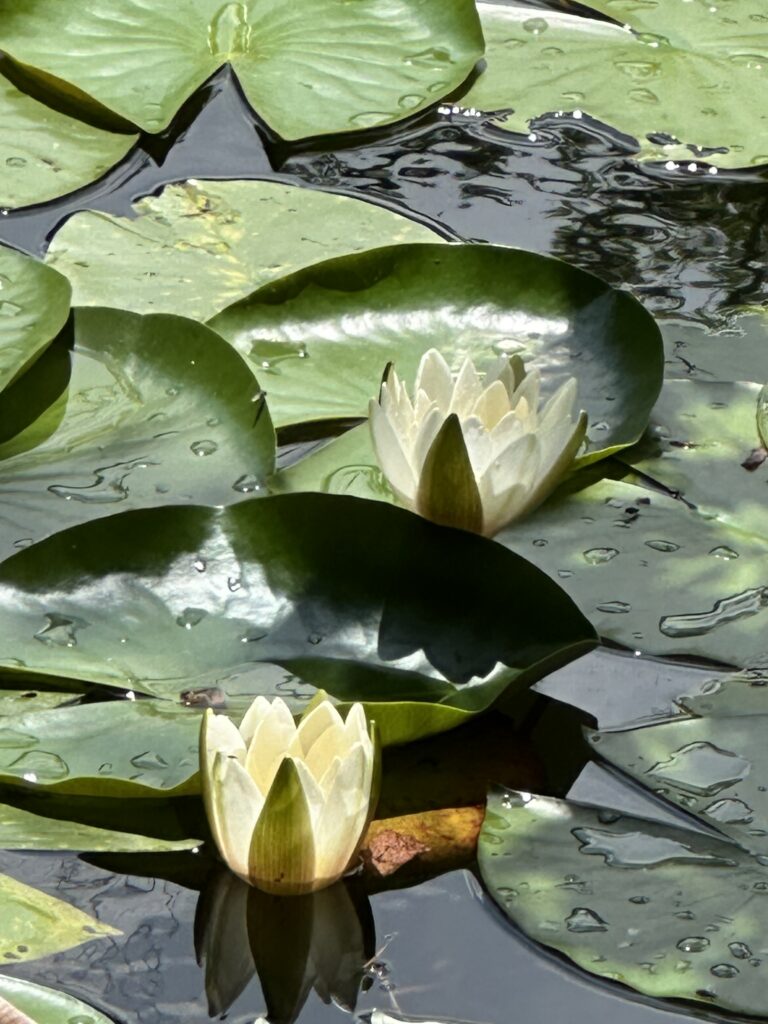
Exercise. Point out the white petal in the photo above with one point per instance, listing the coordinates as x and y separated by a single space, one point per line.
397 407
549 479
428 431
332 743
252 717
434 377
356 724
504 509
466 390
492 405
313 725
343 819
312 791
479 445
270 743
529 391
391 456
236 804
560 406
222 736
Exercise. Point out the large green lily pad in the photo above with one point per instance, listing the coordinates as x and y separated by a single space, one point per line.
704 442
696 72
713 767
157 409
46 1005
309 67
670 912
46 154
322 337
202 245
34 304
367 601
34 924
738 352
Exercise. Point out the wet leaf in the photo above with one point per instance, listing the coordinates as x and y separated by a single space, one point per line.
384 620
35 924
46 1005
636 75
310 68
712 767
353 315
670 912
157 409
46 154
200 246
34 304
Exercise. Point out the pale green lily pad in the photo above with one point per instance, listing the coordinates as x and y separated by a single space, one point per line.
20 702
114 748
650 573
696 72
322 337
293 580
34 305
202 245
46 1005
669 912
309 67
21 829
737 352
158 409
46 154
703 442
34 925
712 767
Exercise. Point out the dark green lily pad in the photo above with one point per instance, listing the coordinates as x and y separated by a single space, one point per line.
47 154
636 75
35 924
308 68
46 1005
712 767
34 304
364 600
705 432
669 912
157 409
200 246
322 337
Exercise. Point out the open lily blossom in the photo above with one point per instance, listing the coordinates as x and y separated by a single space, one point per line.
478 451
287 804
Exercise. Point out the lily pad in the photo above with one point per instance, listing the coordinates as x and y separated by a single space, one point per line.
35 924
322 336
364 600
711 767
157 409
308 68
705 431
23 830
19 702
650 573
34 305
202 245
46 1005
695 73
737 353
47 154
669 912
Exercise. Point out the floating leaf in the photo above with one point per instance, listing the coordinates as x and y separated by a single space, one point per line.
309 67
364 600
34 304
636 76
34 925
352 315
46 1005
156 409
46 154
202 245
670 912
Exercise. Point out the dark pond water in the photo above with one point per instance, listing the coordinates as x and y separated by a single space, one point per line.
688 242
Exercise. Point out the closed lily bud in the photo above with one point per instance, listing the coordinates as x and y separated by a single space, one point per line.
287 804
479 451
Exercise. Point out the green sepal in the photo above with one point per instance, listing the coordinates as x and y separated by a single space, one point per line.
448 492
317 698
282 855
517 369
762 415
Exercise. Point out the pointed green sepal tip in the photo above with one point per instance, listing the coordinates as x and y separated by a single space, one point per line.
375 738
385 377
517 369
318 698
282 855
448 492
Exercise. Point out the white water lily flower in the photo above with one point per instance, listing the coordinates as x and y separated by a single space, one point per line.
287 804
477 452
